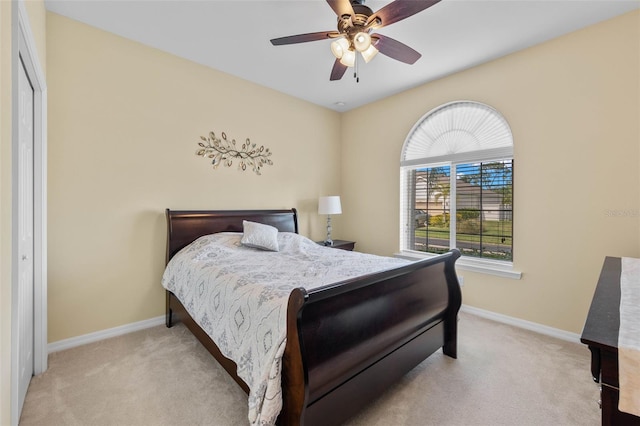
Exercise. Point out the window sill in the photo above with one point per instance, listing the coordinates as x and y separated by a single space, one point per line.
466 263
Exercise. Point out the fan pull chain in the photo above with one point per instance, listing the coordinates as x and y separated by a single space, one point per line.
355 70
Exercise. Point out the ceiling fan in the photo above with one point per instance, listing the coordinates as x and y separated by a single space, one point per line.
356 23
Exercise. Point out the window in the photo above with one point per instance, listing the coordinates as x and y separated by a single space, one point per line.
457 183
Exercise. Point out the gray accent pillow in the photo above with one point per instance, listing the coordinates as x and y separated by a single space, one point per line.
260 236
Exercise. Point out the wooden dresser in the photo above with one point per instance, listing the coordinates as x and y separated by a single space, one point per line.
601 335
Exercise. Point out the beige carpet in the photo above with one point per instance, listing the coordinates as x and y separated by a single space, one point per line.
503 376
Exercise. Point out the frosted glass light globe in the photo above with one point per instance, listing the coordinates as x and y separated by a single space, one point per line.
362 41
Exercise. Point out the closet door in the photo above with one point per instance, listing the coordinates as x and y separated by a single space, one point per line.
25 234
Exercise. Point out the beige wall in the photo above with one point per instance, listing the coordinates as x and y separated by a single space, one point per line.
36 15
573 107
124 122
37 19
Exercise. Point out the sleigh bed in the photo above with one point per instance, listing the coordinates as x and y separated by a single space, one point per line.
347 341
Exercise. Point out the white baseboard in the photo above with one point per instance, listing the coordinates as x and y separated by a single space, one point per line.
104 334
527 325
152 322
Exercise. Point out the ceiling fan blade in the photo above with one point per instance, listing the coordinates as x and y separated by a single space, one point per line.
338 70
341 7
399 10
303 38
394 49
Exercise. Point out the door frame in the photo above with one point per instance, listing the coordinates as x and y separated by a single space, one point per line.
24 49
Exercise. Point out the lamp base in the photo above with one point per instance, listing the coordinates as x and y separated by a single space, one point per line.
328 241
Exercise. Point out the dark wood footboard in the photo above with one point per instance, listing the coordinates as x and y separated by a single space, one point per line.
359 336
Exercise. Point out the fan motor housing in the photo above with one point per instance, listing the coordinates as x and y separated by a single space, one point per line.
352 24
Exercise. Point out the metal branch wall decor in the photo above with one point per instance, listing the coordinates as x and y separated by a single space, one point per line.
225 151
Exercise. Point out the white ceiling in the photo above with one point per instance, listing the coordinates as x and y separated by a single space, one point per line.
233 37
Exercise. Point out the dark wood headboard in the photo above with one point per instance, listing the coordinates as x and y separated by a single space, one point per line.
186 226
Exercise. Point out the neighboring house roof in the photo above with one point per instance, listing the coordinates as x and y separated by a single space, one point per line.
467 192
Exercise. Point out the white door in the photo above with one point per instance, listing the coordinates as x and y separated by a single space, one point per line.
25 234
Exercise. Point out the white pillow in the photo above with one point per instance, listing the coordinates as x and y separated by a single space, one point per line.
260 236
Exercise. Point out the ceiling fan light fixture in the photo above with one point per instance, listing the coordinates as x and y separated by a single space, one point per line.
362 41
368 54
339 46
355 33
348 58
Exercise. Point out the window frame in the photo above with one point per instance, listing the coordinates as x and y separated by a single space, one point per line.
502 268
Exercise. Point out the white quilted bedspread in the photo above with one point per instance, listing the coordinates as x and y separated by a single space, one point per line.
239 296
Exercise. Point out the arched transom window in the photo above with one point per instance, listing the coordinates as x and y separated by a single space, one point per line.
456 174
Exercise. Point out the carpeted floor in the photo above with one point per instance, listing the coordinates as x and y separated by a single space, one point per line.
503 376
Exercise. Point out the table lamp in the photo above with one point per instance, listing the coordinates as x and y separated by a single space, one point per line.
329 205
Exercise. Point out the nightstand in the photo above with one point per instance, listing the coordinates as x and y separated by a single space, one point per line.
340 244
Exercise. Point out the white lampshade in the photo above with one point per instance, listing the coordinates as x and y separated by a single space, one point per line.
348 58
362 41
329 205
339 46
369 53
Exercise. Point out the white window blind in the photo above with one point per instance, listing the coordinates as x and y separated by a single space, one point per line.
459 131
